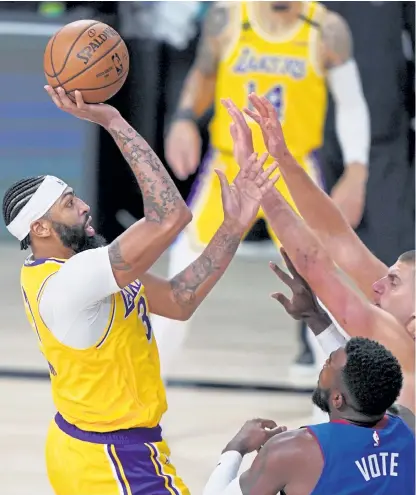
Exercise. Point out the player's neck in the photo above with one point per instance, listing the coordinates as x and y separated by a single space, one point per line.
56 251
355 418
276 22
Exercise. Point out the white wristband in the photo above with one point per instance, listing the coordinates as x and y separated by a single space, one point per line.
225 472
331 339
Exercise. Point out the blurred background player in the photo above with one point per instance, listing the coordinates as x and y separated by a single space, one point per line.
290 52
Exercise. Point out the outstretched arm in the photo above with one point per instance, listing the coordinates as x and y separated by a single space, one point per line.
181 296
355 315
317 208
165 211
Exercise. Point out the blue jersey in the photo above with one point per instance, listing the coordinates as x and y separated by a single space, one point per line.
366 461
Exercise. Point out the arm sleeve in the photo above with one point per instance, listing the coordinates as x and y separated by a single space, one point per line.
77 293
223 479
331 339
352 117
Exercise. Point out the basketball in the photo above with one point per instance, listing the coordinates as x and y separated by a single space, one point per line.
87 56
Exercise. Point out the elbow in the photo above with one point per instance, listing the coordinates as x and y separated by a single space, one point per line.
180 314
184 313
177 221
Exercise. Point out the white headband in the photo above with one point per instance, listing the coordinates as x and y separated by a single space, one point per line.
45 196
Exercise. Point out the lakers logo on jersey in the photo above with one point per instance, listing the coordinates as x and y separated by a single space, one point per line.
284 68
252 62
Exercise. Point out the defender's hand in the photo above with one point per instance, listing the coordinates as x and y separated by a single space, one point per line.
183 148
253 435
303 304
101 113
268 120
241 200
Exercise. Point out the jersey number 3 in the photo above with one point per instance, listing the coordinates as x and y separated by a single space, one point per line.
276 96
144 316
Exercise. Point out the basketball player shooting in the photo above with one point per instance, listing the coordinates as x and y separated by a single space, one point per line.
389 317
291 52
90 304
362 450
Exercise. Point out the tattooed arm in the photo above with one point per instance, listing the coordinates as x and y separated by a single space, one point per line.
165 212
198 92
183 141
179 297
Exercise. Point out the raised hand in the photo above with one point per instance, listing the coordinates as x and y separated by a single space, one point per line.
101 114
241 134
303 304
268 120
253 435
241 200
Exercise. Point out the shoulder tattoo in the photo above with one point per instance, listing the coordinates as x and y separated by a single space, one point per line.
116 258
337 40
214 26
216 21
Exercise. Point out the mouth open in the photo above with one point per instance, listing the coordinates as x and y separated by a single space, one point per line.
88 228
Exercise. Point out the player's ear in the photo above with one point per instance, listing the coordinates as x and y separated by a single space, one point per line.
337 399
41 228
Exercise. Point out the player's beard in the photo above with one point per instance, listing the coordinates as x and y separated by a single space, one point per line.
74 237
320 398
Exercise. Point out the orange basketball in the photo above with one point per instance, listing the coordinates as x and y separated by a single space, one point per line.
88 56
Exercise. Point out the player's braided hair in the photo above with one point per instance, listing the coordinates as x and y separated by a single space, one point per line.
372 376
15 199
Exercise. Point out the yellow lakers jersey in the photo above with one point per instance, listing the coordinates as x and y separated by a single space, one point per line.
116 383
285 70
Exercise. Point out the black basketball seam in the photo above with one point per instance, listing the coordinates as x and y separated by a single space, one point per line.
53 41
92 65
50 53
72 46
101 87
53 65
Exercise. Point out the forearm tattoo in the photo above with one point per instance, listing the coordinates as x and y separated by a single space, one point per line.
160 195
212 263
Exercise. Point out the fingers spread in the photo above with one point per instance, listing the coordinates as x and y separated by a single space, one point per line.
284 277
225 186
255 116
258 104
289 264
